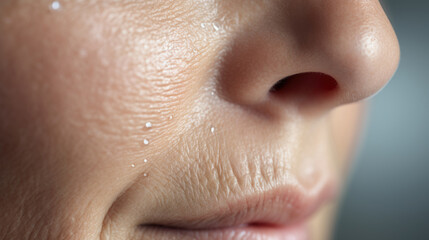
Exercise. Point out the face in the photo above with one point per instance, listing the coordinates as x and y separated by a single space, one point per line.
182 119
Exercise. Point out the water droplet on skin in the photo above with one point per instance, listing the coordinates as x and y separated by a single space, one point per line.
212 93
145 160
212 129
171 117
203 25
144 174
145 142
216 27
55 5
148 124
133 165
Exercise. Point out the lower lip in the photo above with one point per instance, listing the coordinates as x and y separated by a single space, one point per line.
296 232
249 232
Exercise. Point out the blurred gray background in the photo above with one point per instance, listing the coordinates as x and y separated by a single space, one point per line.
388 190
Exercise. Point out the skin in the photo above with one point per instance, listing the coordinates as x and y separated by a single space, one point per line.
78 85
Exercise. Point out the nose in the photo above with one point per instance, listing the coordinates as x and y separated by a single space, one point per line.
310 55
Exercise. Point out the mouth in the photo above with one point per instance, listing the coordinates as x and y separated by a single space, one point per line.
279 213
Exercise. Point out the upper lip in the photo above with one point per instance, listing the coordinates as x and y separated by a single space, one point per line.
280 206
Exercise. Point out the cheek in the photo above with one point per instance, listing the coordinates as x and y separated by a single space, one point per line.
84 106
101 79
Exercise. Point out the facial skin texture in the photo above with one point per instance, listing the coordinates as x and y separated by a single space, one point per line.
78 85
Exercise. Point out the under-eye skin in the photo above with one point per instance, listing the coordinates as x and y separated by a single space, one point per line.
182 119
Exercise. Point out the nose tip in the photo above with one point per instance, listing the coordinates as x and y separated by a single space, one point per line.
349 45
360 48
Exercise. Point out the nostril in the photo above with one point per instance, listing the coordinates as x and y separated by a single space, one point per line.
305 88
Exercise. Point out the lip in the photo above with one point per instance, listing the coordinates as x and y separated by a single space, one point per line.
277 213
244 232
